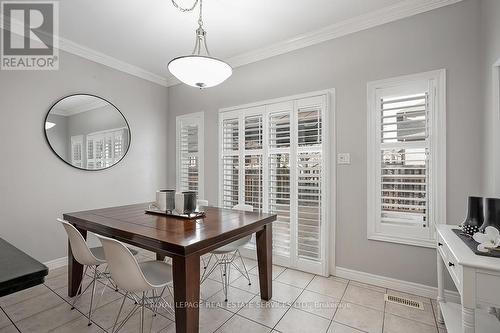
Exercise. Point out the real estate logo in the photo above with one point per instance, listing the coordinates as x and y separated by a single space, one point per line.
29 31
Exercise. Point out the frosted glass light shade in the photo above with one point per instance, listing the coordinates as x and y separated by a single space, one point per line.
200 71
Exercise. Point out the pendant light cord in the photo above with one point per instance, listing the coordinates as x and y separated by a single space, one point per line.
190 9
201 39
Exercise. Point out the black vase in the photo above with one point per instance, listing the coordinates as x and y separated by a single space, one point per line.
475 216
492 214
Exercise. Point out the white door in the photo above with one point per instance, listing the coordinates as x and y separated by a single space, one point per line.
273 157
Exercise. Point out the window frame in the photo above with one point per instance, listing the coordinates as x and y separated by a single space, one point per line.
199 119
437 145
496 86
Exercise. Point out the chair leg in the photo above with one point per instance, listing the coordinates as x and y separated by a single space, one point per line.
119 312
224 276
212 269
142 311
129 315
244 267
205 266
79 291
92 296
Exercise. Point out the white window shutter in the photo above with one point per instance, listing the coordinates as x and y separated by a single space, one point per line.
190 153
310 184
77 151
405 155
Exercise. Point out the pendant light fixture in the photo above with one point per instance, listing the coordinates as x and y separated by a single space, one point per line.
199 69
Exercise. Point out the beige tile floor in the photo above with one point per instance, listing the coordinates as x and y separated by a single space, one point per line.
301 303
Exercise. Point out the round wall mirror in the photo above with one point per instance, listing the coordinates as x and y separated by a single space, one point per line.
87 132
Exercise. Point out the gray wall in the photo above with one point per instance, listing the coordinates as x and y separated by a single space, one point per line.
36 187
444 38
490 32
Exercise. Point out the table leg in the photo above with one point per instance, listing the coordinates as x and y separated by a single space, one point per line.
264 239
440 282
75 269
186 272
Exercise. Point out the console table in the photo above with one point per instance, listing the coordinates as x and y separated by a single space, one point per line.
477 279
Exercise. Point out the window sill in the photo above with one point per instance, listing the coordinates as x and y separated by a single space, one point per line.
428 243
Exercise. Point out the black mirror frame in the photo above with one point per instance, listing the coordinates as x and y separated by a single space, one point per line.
91 95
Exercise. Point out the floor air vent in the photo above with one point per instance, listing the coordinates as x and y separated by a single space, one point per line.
404 301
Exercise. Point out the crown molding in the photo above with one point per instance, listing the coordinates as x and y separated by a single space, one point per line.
93 55
106 60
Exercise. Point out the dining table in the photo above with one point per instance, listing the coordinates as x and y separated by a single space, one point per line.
183 240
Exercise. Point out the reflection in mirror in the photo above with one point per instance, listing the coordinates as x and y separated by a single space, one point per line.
87 132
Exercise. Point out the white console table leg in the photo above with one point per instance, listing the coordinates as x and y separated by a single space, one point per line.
468 320
440 277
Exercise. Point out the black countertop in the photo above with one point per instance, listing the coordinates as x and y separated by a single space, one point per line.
18 270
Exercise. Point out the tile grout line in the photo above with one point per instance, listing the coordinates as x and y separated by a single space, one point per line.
10 319
383 318
102 305
77 309
296 298
434 314
250 319
340 304
37 313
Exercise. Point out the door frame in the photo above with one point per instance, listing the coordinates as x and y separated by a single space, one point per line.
496 87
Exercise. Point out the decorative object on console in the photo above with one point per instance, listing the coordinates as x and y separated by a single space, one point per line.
489 240
492 214
475 216
472 245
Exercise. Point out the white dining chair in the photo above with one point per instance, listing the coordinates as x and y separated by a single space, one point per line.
225 257
91 259
137 280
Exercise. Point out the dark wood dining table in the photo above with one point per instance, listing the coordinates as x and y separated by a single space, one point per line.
182 240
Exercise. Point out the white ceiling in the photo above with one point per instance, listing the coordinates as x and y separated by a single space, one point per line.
148 34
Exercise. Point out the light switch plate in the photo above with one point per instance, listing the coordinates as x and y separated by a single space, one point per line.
343 158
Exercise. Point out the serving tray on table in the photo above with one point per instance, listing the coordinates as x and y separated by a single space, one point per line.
173 213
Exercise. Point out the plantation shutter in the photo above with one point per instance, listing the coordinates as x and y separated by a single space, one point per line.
280 178
189 168
190 153
272 158
77 151
253 162
405 160
230 163
309 179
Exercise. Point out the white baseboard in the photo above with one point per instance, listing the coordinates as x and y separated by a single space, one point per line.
56 263
399 285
